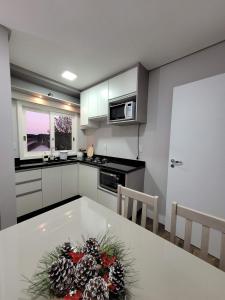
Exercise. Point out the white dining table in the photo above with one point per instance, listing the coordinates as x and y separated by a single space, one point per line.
163 270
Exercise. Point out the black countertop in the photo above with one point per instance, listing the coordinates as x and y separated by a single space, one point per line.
113 163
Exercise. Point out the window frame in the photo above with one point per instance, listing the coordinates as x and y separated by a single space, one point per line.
22 107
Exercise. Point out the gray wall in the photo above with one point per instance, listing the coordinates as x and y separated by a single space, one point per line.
155 135
7 173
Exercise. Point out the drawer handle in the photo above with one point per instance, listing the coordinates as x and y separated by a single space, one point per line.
28 193
28 181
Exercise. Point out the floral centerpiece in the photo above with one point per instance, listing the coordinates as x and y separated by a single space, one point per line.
98 269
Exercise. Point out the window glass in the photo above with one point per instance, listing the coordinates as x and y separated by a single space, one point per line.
37 131
63 132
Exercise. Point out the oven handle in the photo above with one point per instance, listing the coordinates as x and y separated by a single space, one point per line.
110 174
115 105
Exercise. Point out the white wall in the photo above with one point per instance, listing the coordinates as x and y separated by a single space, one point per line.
155 135
7 173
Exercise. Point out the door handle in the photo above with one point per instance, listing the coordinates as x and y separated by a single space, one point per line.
175 163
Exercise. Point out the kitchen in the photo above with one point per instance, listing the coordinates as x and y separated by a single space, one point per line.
124 127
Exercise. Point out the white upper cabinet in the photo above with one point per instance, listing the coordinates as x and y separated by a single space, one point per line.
93 102
123 84
94 105
103 96
84 108
98 100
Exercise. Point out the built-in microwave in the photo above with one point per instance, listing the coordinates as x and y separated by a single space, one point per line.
122 111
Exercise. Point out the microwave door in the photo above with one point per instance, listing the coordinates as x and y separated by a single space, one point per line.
117 112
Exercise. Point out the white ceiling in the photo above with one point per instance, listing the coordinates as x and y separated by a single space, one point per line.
96 38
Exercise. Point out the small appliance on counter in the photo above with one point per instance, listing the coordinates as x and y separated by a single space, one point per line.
45 157
80 154
63 154
90 151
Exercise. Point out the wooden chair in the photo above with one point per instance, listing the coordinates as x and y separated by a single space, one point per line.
207 222
129 195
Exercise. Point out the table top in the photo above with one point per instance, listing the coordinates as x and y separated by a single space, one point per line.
164 271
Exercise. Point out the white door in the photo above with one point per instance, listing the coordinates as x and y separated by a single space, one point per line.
84 108
69 181
107 199
93 102
124 83
88 181
51 185
103 99
198 141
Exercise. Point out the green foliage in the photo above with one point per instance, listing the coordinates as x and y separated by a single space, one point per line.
39 284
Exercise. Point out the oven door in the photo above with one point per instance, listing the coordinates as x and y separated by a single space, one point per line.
117 111
110 180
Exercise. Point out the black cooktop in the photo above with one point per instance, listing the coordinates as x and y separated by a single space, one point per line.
120 167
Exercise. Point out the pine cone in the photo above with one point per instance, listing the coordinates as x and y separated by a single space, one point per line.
92 247
116 277
96 289
85 270
61 276
66 249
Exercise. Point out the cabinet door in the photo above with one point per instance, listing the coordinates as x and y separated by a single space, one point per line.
84 108
107 199
123 84
103 96
28 203
88 180
93 102
69 181
51 185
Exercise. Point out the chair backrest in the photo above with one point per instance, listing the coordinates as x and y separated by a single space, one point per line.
129 195
207 222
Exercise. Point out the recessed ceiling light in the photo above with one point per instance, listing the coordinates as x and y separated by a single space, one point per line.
69 75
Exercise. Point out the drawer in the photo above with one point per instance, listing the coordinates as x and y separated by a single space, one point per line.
28 203
107 199
28 175
28 187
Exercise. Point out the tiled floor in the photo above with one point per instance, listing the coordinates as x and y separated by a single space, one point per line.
179 242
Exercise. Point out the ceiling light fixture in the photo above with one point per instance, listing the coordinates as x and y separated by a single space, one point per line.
69 75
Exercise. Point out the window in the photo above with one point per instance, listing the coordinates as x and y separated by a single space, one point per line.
63 132
37 131
42 130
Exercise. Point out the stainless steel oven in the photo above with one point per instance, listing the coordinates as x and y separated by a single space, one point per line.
109 180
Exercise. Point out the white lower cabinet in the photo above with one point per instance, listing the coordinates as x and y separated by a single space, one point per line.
28 203
69 181
28 192
51 185
40 188
107 199
88 180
